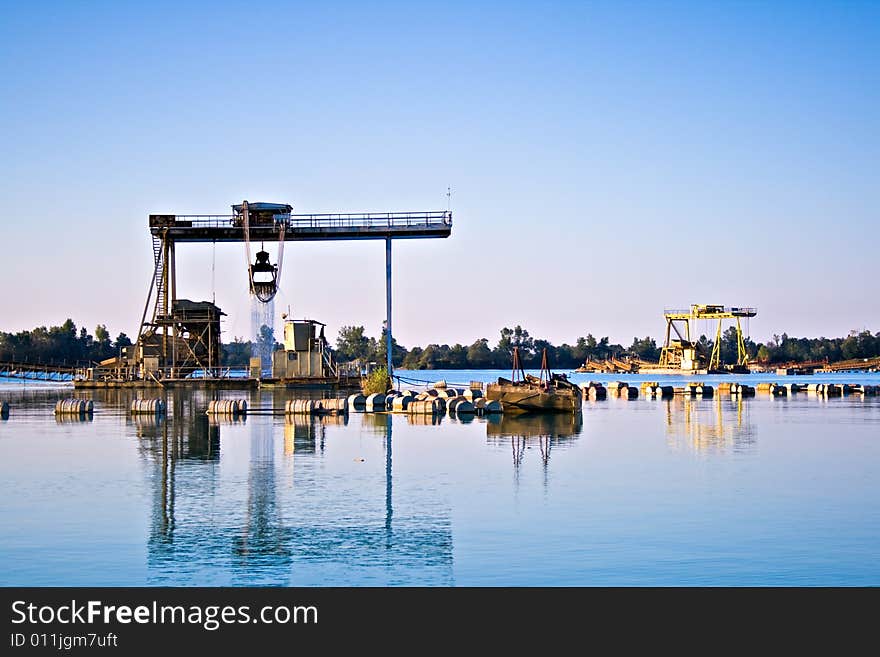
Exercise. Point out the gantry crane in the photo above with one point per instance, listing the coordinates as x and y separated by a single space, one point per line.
182 337
684 353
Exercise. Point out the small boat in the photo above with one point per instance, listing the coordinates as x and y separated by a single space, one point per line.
545 393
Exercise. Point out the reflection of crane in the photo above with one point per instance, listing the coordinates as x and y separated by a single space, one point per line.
710 426
685 354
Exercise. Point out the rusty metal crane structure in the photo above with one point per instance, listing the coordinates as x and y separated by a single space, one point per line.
683 353
180 337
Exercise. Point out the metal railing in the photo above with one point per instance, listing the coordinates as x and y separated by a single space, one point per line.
322 220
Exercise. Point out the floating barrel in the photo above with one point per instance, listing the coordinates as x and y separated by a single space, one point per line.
726 387
777 390
441 403
846 389
4 409
764 386
794 387
451 404
742 390
335 405
493 406
698 390
227 407
663 392
401 403
473 394
832 390
147 407
463 407
423 407
357 401
648 384
595 392
440 384
628 392
300 407
375 402
74 407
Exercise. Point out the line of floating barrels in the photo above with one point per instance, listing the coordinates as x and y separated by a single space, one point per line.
227 407
594 390
433 401
316 406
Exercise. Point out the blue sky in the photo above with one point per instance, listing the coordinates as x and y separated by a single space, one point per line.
607 160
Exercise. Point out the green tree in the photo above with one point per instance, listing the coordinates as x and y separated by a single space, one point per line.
352 344
479 354
645 348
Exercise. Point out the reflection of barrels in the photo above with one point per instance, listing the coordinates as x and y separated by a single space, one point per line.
426 407
74 407
227 407
357 401
4 409
147 406
375 402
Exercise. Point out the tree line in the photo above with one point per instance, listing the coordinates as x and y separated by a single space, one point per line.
61 345
65 344
353 344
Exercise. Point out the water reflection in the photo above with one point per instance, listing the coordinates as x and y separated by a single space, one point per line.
709 425
261 545
524 431
253 520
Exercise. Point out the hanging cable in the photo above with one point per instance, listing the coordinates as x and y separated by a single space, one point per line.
213 271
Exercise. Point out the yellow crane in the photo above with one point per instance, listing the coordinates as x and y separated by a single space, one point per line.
684 353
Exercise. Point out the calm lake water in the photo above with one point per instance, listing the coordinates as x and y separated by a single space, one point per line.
763 491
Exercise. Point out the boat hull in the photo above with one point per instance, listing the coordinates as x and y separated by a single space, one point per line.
533 399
